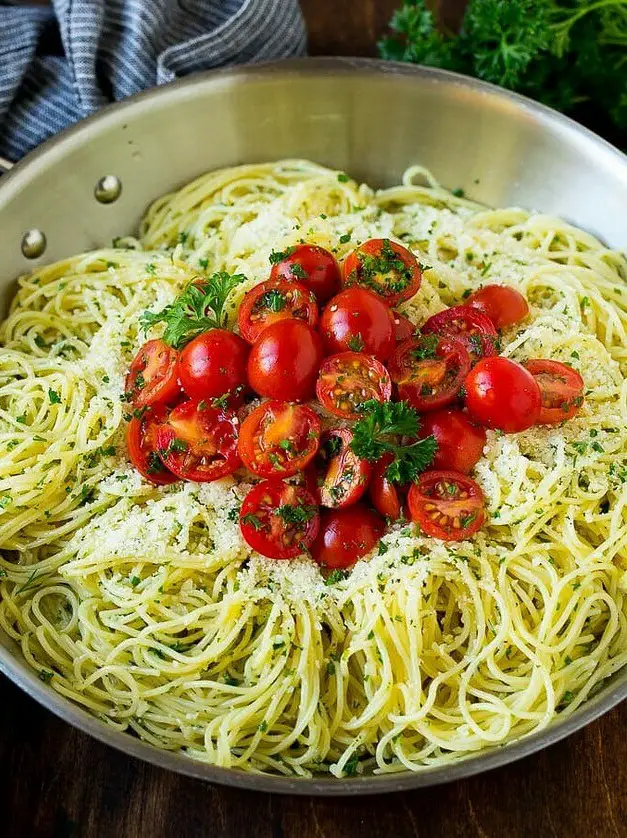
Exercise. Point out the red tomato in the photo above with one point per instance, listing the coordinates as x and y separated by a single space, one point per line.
152 378
278 439
141 442
348 380
213 364
385 267
561 390
502 394
284 362
460 442
358 320
343 475
272 301
313 266
447 505
198 442
386 497
279 520
474 329
346 535
503 304
403 327
429 370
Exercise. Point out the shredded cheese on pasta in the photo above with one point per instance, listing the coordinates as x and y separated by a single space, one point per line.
144 605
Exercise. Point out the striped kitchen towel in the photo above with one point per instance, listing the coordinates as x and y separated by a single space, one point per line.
62 62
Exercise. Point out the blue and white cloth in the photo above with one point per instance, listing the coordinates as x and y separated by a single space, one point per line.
62 62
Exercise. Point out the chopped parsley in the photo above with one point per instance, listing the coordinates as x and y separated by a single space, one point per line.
346 237
252 521
336 576
273 300
292 514
343 178
54 397
281 255
356 343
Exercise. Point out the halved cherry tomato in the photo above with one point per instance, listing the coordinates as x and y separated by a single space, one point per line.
403 327
502 394
561 390
284 362
447 505
343 475
213 364
279 520
348 380
460 442
346 535
198 442
474 329
272 301
141 442
152 378
312 266
385 267
278 439
386 497
503 304
358 320
429 370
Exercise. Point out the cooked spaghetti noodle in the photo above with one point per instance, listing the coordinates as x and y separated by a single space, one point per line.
144 605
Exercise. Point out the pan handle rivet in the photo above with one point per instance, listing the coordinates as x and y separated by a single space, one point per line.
108 189
33 243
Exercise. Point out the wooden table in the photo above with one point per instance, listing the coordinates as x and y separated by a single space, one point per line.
57 782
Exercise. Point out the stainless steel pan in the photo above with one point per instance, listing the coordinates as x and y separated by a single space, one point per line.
370 118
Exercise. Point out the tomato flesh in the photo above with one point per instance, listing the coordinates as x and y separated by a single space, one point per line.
343 475
141 443
429 370
561 390
199 442
460 441
279 520
284 362
358 320
212 364
471 327
503 304
385 267
273 301
386 497
346 535
152 377
349 379
279 439
502 394
311 266
446 505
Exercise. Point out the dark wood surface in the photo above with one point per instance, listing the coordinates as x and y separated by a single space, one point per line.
54 781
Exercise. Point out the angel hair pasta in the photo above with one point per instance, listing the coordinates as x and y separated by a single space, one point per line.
144 605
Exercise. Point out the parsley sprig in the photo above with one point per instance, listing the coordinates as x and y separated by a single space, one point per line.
378 434
563 54
198 308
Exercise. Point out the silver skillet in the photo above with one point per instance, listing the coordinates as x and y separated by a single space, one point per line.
372 119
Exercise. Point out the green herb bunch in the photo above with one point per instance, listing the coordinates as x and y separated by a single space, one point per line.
560 52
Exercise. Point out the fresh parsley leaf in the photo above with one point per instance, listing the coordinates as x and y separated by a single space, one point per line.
54 397
198 308
378 434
